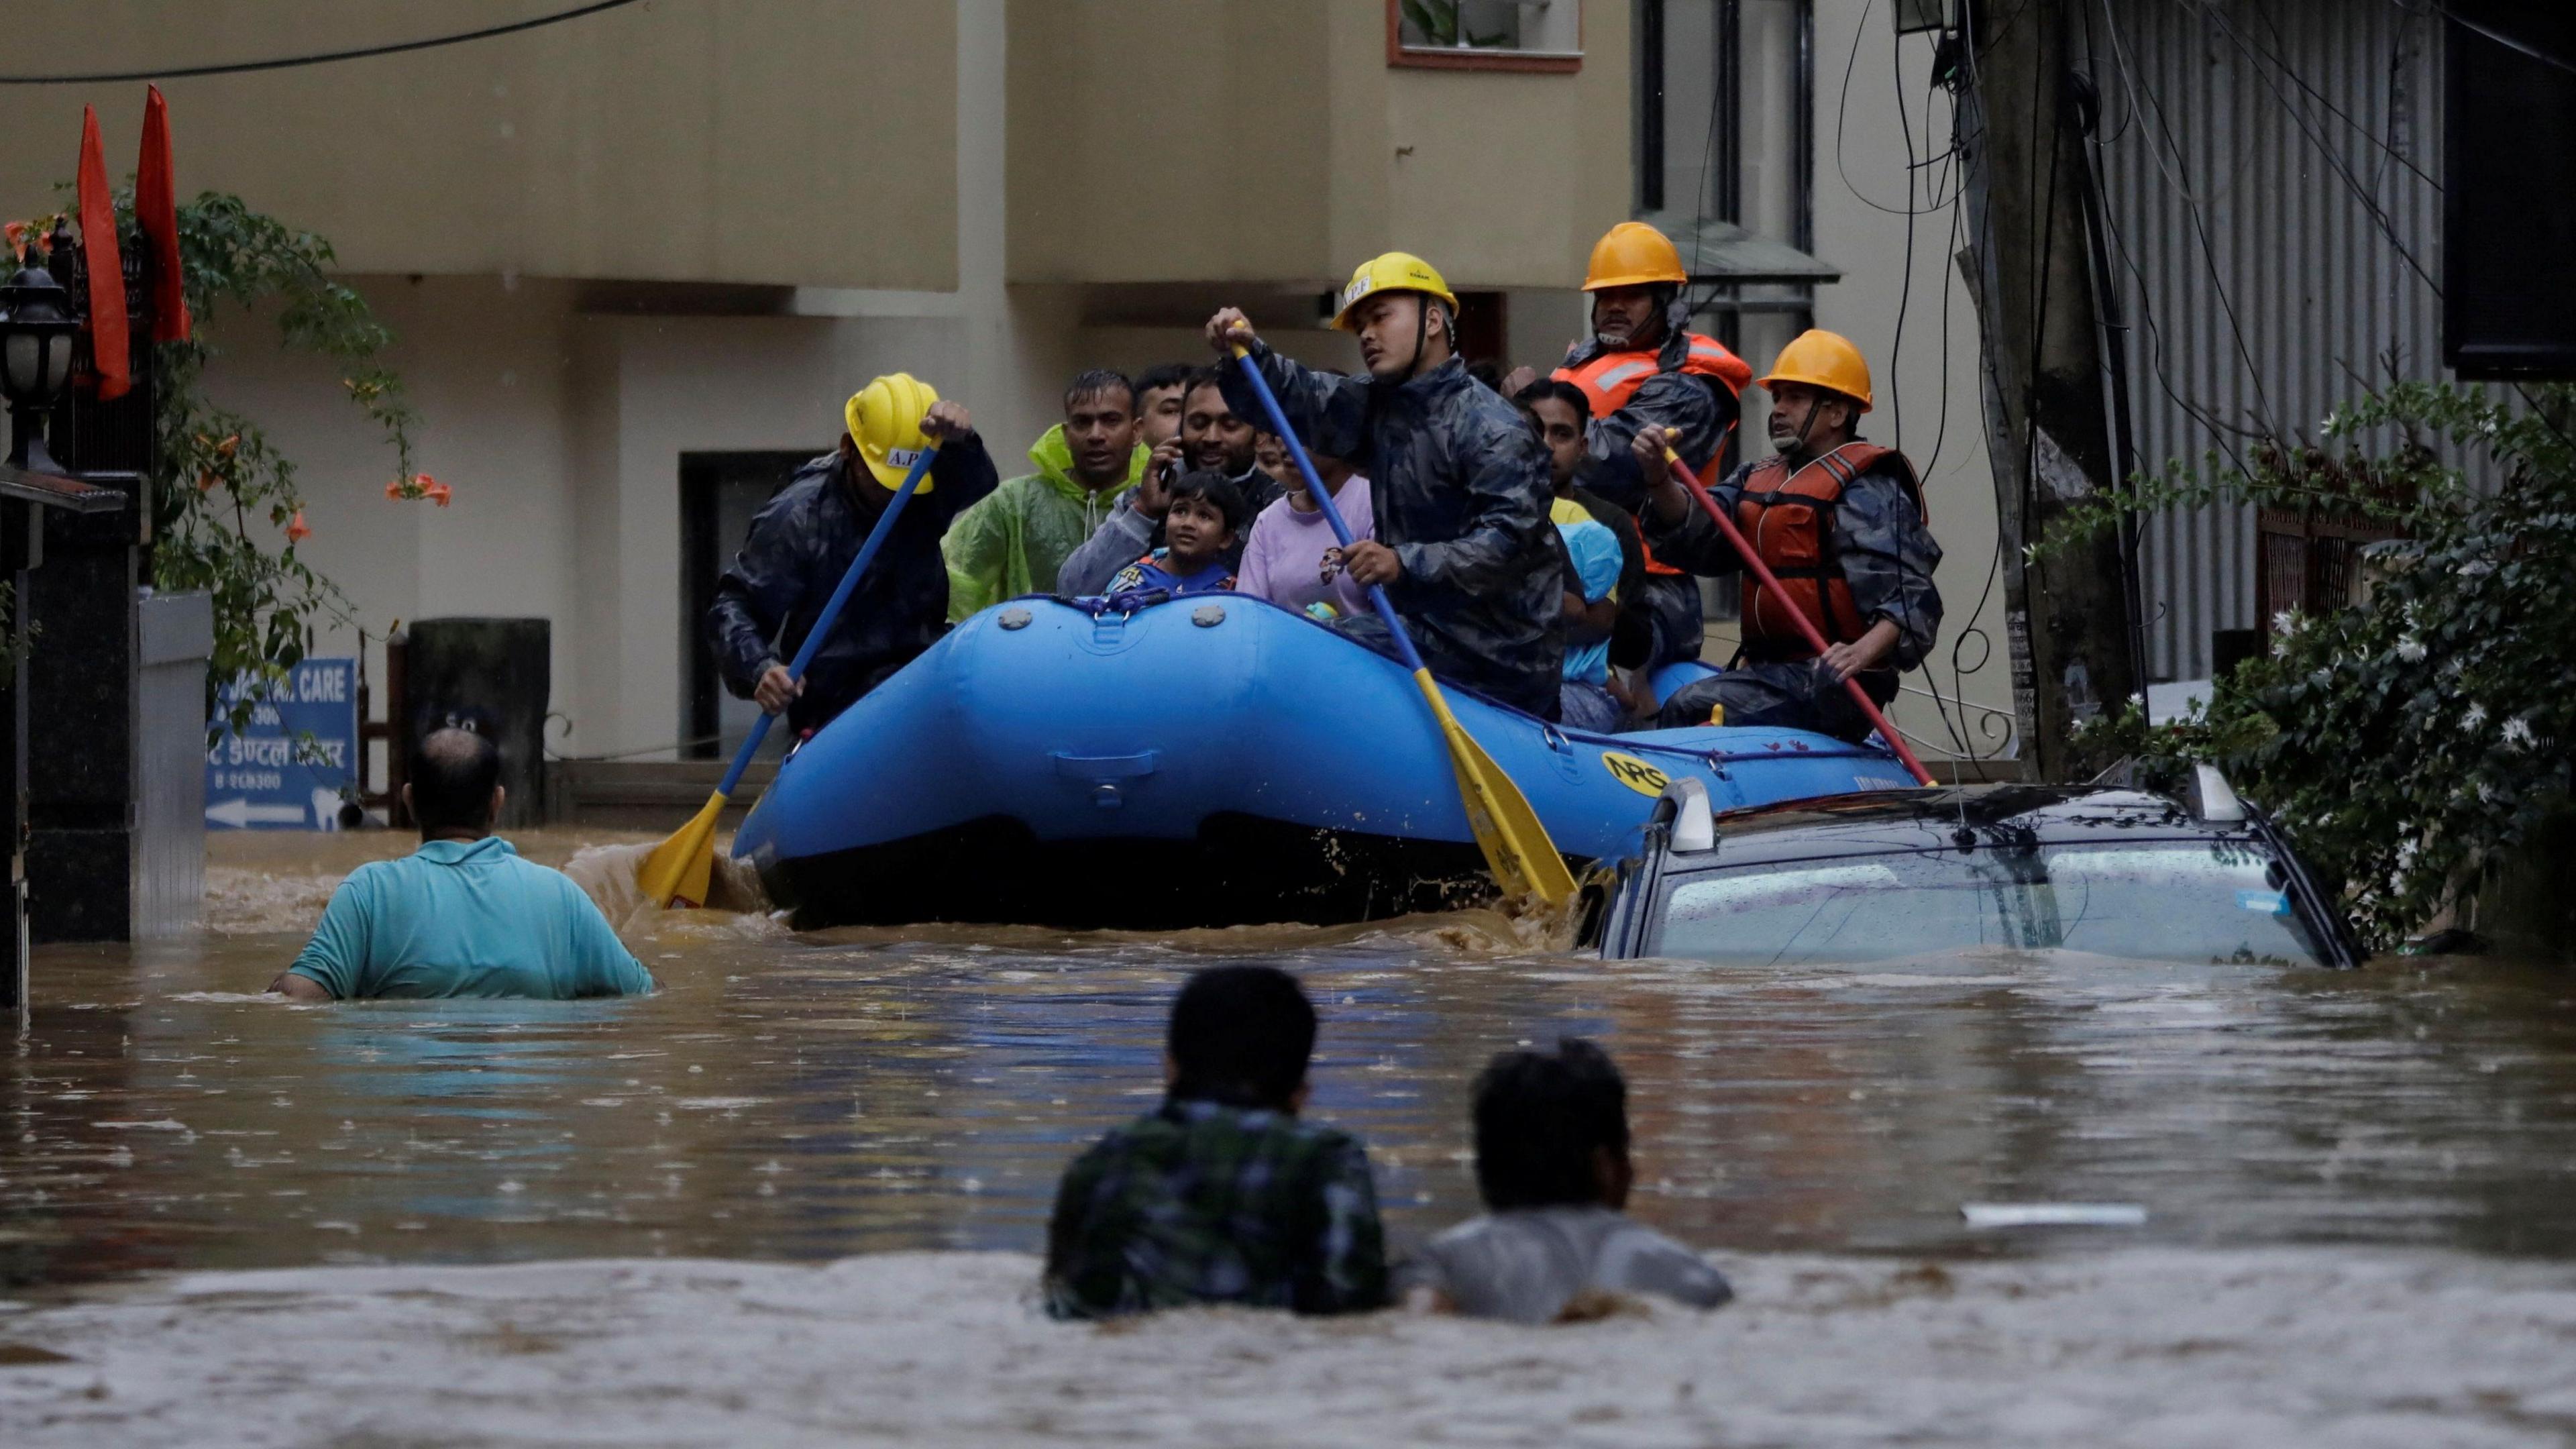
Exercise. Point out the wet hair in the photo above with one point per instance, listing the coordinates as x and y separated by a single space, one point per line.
1097 381
1241 1034
1157 378
453 773
1541 1120
1218 490
1204 377
1554 389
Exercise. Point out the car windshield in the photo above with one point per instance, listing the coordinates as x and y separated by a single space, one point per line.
2191 901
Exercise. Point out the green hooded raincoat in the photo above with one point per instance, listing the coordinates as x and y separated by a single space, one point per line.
1015 541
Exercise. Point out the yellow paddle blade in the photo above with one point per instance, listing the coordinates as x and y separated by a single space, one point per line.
1524 861
678 869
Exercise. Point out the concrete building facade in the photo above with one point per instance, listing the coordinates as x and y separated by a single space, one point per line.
663 242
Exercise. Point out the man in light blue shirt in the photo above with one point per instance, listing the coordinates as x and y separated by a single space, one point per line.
463 915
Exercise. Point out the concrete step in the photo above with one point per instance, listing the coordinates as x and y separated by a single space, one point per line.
646 794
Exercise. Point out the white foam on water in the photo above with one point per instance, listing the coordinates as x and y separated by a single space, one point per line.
2337 1347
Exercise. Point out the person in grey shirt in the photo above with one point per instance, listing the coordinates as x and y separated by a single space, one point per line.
1552 1165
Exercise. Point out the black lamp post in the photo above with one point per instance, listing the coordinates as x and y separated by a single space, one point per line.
37 328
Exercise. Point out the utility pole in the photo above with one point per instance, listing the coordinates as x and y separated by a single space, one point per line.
2030 263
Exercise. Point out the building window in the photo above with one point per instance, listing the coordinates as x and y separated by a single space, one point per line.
1725 97
1531 35
1725 155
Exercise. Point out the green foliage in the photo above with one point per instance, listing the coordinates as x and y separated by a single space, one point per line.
2407 741
1437 21
227 509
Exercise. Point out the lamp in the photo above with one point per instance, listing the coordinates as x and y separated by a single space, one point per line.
37 328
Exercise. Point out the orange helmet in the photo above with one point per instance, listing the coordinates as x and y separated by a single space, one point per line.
1823 359
1633 254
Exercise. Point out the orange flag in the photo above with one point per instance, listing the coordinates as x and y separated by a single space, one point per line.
106 272
156 211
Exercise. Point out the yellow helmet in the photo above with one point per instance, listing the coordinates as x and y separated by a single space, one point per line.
1394 272
1823 359
884 419
1633 254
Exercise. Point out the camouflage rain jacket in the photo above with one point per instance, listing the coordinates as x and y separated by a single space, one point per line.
800 544
1885 552
1697 407
1459 486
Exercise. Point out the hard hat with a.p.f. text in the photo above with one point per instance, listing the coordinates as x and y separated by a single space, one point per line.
1393 272
1823 359
1633 254
884 419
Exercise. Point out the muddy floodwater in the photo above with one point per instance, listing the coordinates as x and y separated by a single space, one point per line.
2392 1150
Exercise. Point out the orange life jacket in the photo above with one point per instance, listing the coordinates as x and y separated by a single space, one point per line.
1789 519
1609 380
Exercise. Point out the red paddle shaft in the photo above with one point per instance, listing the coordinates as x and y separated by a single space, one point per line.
1762 574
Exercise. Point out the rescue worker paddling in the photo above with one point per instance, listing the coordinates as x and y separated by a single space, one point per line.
1459 484
803 539
1839 521
1642 368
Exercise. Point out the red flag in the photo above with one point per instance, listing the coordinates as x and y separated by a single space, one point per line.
106 272
156 211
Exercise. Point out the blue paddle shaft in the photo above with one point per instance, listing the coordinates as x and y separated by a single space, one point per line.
1404 649
831 614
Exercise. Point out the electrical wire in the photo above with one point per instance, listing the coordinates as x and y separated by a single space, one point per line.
244 67
2500 38
1842 113
2369 204
2199 220
1987 354
2388 150
2112 329
1904 301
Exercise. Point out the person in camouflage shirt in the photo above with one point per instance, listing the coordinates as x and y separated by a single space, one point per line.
1221 1194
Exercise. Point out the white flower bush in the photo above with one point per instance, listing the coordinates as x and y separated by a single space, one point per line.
2372 733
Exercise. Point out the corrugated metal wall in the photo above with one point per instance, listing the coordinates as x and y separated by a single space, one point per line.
2272 169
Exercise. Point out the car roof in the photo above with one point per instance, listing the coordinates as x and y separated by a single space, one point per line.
1931 819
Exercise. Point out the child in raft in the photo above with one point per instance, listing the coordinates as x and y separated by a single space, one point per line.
1199 533
1552 1165
1291 557
1222 1194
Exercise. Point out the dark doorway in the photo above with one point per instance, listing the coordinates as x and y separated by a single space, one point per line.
1484 320
719 493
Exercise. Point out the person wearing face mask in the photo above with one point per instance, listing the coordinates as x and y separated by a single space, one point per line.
1840 522
1464 546
1641 368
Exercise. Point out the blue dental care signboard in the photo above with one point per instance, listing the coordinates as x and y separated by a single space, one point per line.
290 769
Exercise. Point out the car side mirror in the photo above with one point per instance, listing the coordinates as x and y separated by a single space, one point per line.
1694 826
2212 798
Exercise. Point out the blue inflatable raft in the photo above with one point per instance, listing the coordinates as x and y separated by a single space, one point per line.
1212 760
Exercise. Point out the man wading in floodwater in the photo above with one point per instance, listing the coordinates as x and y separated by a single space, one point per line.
1464 546
463 915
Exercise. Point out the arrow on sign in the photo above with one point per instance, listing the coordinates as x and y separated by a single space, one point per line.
239 813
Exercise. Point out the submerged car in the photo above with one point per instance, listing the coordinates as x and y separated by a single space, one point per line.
1893 875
